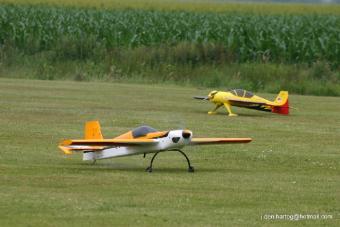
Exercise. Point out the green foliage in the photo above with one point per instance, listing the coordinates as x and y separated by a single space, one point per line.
83 33
299 53
141 65
195 6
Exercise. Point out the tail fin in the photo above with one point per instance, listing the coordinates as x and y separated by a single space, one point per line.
92 130
281 103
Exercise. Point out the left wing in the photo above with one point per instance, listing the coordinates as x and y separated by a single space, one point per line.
69 149
247 102
208 141
67 146
109 142
251 105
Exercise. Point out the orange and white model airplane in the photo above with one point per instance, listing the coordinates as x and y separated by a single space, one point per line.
142 140
246 99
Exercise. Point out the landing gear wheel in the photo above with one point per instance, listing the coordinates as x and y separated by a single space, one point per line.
191 169
149 169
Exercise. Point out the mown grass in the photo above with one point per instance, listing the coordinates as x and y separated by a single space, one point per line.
195 6
292 166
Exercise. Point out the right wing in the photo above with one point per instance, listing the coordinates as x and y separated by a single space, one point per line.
209 141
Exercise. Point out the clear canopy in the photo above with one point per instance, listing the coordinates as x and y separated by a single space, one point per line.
142 131
242 93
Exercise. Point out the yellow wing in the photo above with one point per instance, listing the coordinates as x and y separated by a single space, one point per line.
246 101
69 149
67 146
109 142
209 141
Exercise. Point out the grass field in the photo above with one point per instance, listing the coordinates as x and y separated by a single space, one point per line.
292 165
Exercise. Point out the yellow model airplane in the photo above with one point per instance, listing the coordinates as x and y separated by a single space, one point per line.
246 99
142 140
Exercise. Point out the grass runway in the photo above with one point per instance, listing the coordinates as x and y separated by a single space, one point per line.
291 167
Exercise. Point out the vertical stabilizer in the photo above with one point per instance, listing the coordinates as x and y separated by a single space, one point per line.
92 130
281 103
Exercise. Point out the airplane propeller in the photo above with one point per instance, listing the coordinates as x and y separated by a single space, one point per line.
201 97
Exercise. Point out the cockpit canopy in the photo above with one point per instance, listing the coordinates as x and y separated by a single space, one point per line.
142 131
241 93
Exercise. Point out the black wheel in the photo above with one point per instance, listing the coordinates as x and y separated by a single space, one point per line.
149 169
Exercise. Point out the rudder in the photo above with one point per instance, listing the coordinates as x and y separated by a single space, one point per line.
92 130
281 103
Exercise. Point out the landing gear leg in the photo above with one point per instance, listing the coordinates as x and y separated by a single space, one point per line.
228 107
190 167
149 169
214 110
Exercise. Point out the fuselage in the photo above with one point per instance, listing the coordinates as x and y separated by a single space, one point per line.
222 97
174 139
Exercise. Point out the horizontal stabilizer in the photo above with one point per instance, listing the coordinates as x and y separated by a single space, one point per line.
66 150
209 141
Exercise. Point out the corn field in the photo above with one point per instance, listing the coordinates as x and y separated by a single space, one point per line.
257 7
245 37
